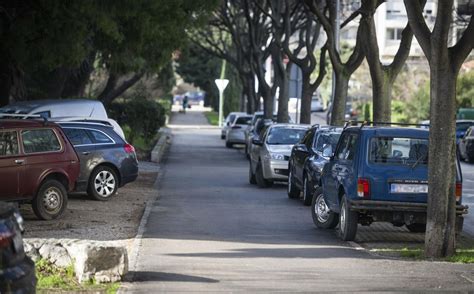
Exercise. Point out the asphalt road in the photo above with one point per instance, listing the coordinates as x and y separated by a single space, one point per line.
210 230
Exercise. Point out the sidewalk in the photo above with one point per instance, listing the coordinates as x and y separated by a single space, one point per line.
193 118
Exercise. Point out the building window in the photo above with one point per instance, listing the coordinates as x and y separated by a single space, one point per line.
394 34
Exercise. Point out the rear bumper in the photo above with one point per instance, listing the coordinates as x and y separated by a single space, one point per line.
392 206
235 137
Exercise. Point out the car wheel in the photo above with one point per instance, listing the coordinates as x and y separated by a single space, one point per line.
307 195
103 183
251 175
347 221
228 144
416 228
469 159
293 191
261 181
222 137
50 201
322 217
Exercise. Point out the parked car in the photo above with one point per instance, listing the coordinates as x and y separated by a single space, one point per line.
307 161
38 164
269 158
251 131
17 274
227 122
107 160
106 121
466 145
255 132
350 113
236 131
57 108
461 127
317 104
378 174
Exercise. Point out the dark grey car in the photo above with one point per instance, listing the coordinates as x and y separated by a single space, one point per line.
107 161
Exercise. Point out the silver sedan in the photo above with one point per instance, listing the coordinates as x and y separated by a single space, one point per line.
270 154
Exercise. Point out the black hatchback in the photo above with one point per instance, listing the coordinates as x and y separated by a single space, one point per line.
17 274
107 160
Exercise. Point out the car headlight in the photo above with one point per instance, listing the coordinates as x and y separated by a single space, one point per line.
276 156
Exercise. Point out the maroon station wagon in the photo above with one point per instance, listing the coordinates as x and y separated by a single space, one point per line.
38 164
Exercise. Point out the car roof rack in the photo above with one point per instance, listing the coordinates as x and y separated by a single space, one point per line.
376 123
24 116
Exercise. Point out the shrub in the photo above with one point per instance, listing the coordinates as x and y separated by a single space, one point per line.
143 116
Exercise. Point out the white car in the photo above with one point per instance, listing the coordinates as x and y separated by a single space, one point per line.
228 120
236 131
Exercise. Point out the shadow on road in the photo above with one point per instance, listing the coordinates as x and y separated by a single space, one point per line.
144 276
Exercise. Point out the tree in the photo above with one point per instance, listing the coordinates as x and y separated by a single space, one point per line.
383 76
445 63
343 70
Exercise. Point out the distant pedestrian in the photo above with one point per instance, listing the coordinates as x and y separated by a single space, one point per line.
185 103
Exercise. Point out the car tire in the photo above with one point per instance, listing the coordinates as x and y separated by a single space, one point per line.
323 218
469 158
307 194
261 181
51 200
228 144
222 137
252 179
416 228
103 183
293 191
348 221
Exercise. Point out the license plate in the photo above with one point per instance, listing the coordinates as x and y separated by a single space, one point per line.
409 188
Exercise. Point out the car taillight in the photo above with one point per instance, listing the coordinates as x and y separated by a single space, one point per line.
363 188
236 127
458 191
6 239
129 148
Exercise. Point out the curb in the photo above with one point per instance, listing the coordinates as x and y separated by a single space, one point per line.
160 147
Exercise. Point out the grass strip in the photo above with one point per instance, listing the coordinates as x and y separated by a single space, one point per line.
212 117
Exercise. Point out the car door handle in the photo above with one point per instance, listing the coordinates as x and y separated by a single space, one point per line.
85 153
19 161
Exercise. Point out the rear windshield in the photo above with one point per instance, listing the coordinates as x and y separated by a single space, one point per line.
243 120
327 139
391 150
285 136
462 127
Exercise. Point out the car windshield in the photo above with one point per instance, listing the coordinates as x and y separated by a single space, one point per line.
327 139
285 136
462 127
243 120
391 150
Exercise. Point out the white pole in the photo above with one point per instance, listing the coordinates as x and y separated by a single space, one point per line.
221 106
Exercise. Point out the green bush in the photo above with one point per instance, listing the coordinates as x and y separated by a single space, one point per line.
143 116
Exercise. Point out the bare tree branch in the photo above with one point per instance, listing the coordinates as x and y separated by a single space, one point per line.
418 24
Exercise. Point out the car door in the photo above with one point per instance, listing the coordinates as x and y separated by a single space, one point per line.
11 165
85 149
339 172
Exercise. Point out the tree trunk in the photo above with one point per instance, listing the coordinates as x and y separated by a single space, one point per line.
267 101
440 229
306 95
382 98
338 112
284 96
108 95
55 83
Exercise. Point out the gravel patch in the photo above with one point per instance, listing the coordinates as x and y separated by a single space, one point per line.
85 219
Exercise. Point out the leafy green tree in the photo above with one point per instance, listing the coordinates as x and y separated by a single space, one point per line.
465 90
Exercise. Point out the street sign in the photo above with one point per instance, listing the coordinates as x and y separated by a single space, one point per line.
221 85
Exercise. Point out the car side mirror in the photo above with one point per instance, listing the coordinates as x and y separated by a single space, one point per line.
257 141
228 123
327 151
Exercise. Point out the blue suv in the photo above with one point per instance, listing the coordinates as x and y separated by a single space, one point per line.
377 174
